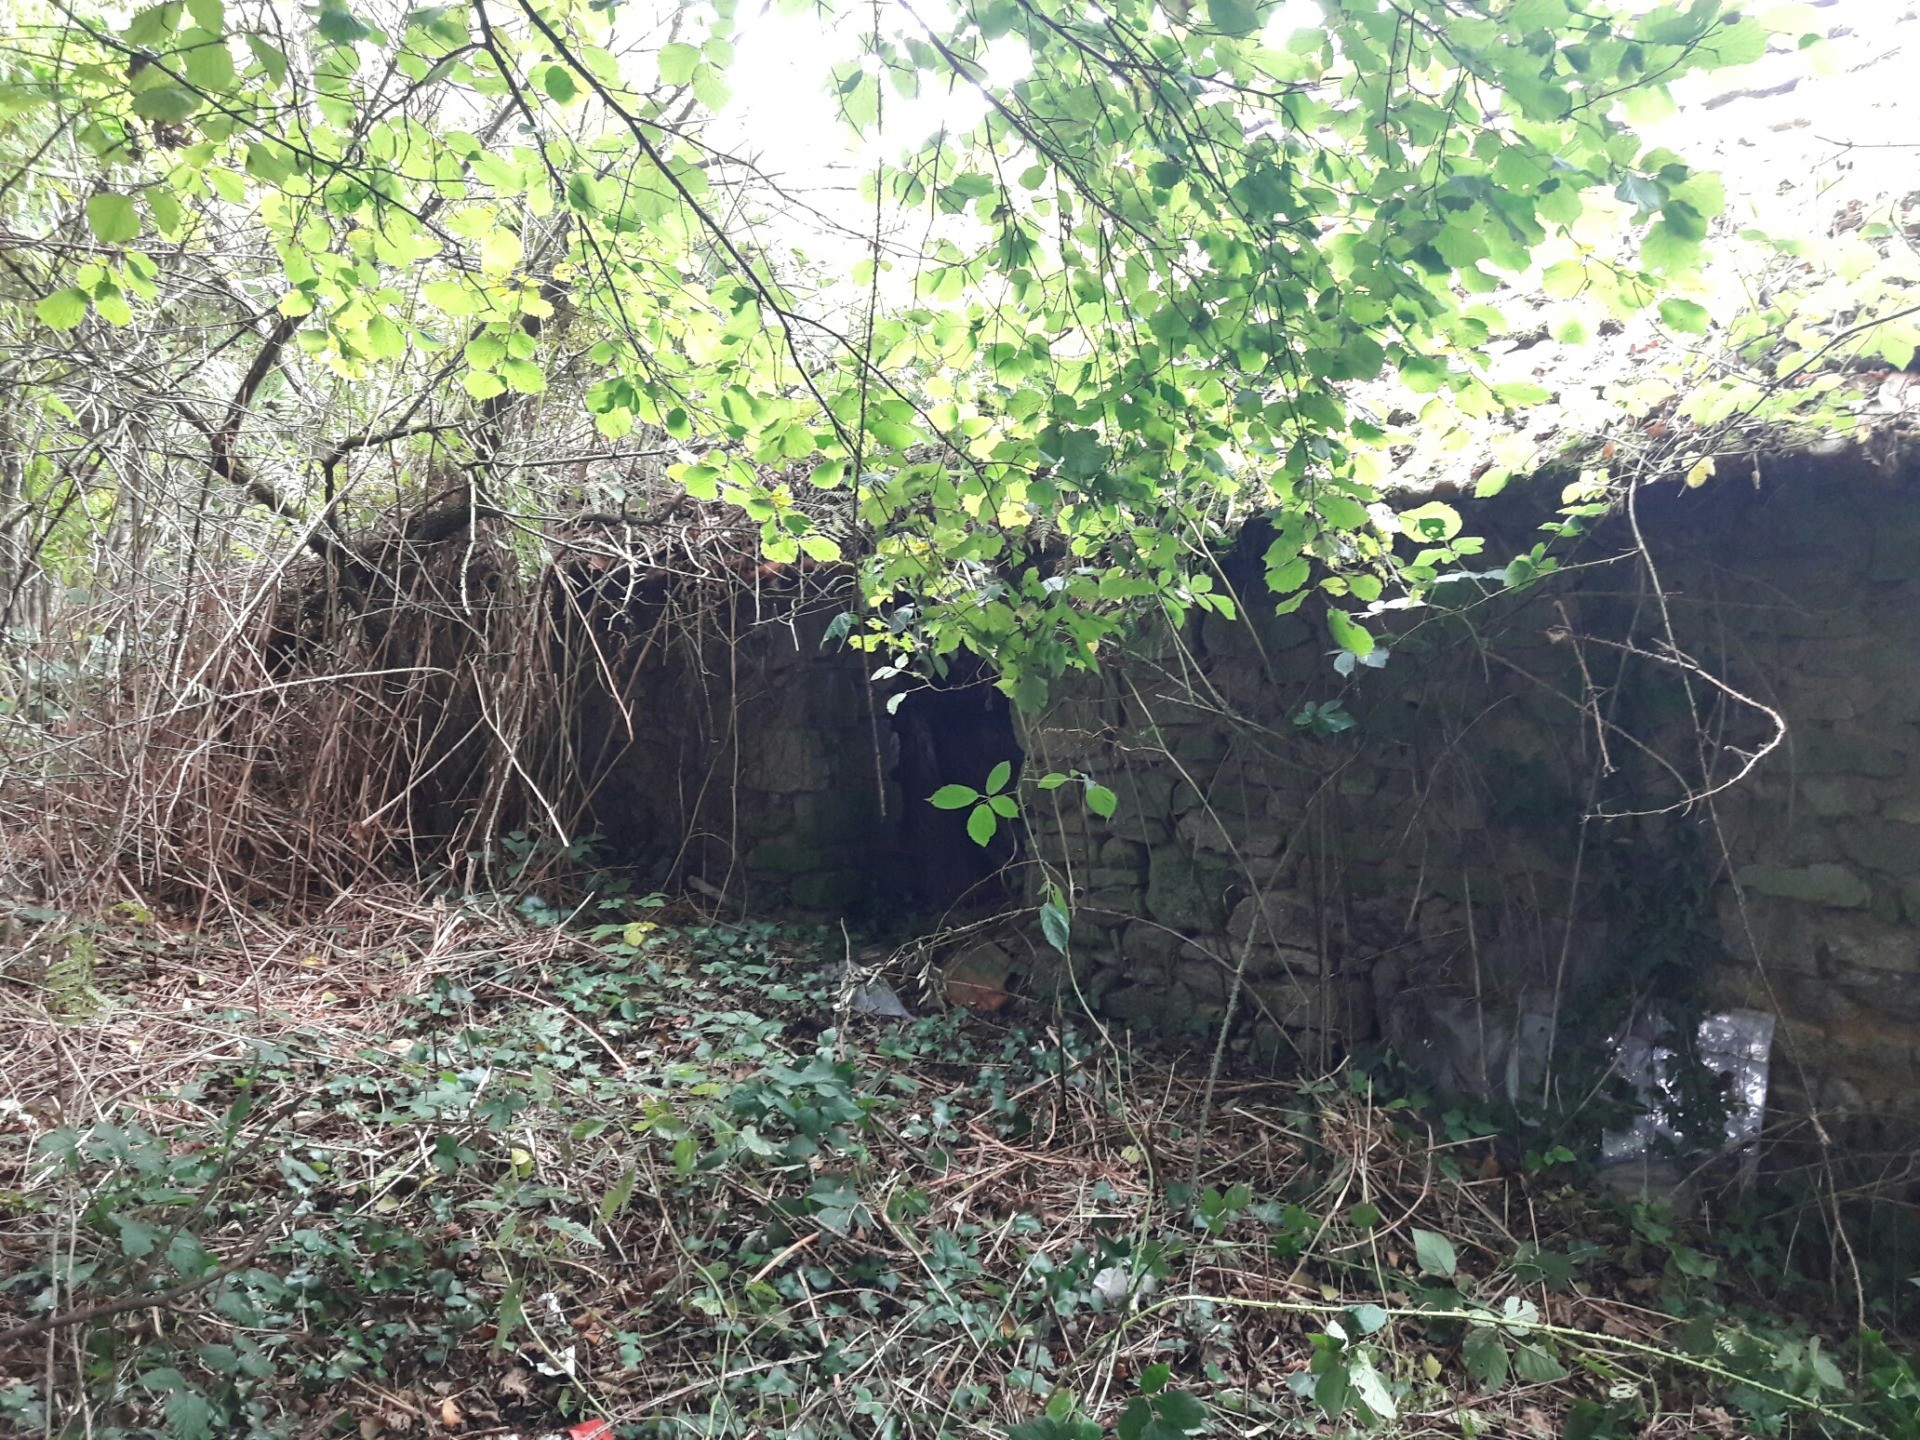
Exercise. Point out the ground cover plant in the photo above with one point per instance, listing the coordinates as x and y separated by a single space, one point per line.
445 1170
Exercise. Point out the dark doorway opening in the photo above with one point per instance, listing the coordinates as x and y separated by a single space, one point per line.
954 734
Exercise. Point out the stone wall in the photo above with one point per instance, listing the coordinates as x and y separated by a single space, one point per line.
749 758
1425 878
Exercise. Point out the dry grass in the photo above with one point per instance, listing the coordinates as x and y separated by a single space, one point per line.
616 1248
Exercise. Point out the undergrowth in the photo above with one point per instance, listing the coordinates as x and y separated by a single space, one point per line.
668 1177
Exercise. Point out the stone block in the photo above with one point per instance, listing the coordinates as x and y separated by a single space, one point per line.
829 889
977 978
1829 752
1193 745
1275 919
1834 795
1834 886
1140 1006
1358 780
1887 845
786 761
1145 943
1177 894
850 813
790 857
1150 791
1118 854
1264 961
1294 1005
1218 831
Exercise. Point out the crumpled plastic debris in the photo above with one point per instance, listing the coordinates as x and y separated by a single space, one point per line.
1734 1043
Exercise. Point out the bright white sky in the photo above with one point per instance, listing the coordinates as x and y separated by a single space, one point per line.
1795 135
781 112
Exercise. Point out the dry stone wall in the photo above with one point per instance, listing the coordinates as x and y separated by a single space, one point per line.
1426 878
758 766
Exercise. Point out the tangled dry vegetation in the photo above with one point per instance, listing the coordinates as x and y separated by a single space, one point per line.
409 1170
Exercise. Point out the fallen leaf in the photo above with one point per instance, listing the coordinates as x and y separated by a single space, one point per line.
450 1416
516 1384
591 1430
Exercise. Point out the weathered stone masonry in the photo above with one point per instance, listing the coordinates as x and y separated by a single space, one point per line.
1424 878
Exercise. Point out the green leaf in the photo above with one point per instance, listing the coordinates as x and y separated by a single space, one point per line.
154 25
337 24
1536 1365
1179 1411
137 1239
998 777
168 217
1102 801
1333 1391
64 309
1435 1253
981 824
953 797
1432 524
1348 633
820 548
558 83
167 104
677 62
450 297
1685 316
208 64
1485 1355
1056 925
1368 1319
189 1416
112 218
1234 17
1372 1391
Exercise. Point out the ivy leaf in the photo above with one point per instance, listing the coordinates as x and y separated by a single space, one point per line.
981 824
136 1238
112 218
